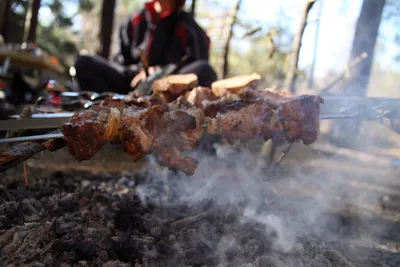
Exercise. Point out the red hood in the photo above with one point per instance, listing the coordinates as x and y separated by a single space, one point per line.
153 13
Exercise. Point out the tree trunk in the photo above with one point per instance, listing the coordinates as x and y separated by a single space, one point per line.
295 53
344 133
311 78
32 21
365 36
5 10
225 66
193 8
107 25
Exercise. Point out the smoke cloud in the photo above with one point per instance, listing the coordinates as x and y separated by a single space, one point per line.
307 200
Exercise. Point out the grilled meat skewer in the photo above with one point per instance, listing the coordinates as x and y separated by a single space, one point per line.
169 123
170 129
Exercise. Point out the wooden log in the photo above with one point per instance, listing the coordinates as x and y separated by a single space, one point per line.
235 84
31 61
23 151
20 151
175 84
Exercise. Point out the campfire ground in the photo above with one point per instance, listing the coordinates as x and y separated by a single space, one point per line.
317 210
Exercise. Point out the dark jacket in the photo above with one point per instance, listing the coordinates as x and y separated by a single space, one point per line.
166 41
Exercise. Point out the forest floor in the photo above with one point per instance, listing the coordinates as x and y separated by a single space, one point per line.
316 210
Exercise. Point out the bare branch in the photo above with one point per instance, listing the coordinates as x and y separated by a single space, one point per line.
225 66
294 58
345 73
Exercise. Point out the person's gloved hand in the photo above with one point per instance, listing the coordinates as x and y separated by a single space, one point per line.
141 76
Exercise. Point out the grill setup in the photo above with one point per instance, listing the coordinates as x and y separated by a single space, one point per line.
231 211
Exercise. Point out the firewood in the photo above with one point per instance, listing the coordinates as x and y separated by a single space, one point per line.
20 150
175 84
23 151
235 84
189 221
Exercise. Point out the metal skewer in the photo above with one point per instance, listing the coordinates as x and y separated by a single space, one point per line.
31 138
60 135
334 117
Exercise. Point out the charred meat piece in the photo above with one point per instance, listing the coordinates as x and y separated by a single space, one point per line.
173 159
295 119
174 131
148 101
213 108
132 134
196 97
115 103
160 128
298 119
271 96
88 131
168 126
141 101
165 90
241 120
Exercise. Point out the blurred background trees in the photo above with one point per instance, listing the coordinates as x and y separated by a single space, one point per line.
242 41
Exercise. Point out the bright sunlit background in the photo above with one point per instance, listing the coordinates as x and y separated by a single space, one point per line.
331 46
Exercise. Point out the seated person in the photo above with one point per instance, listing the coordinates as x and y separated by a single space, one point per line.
165 33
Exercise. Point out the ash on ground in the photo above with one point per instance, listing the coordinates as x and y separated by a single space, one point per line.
225 215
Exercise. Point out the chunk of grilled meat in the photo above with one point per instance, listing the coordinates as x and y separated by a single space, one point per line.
88 131
173 159
201 97
295 119
160 127
298 118
148 101
196 97
132 135
240 120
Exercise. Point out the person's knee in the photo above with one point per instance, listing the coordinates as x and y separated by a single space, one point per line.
207 74
204 71
83 66
83 62
207 69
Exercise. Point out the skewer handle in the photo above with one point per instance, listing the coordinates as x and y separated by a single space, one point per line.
334 117
60 135
31 138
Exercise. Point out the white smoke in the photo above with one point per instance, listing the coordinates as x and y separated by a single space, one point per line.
304 201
